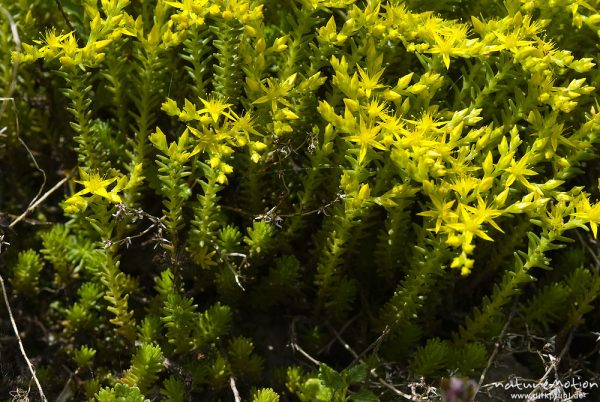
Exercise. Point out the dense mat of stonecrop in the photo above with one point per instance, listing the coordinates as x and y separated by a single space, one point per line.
272 200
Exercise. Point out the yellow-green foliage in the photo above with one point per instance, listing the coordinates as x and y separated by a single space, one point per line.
252 178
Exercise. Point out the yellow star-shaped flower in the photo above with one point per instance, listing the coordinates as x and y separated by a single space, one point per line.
93 184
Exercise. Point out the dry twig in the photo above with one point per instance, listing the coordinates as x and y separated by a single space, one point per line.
497 345
13 79
357 357
21 347
39 201
296 347
236 393
8 97
553 366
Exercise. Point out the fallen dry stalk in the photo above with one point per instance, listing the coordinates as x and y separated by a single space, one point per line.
16 331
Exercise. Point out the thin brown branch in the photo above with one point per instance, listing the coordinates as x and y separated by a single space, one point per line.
589 249
553 366
35 163
497 345
357 357
31 221
236 393
64 14
296 347
341 331
17 40
235 273
39 201
21 347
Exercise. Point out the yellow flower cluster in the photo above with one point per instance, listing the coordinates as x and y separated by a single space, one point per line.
95 187
192 13
473 175
102 32
217 131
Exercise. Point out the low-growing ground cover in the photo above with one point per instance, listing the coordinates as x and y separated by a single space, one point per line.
314 200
